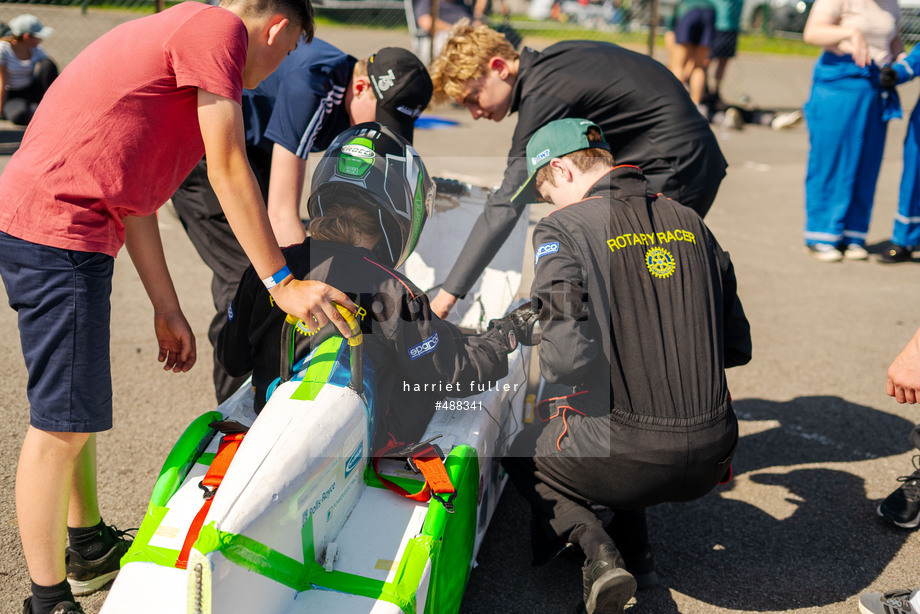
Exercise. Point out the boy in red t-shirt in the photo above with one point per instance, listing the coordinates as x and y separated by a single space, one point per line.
111 141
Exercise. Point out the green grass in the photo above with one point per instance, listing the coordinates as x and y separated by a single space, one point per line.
549 32
760 43
747 43
372 20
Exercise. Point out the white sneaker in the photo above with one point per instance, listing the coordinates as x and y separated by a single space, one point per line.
786 120
893 602
855 251
825 252
733 119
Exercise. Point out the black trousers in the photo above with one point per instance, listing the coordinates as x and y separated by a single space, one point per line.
17 106
696 185
207 227
565 466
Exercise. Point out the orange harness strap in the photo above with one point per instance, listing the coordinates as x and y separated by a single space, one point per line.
212 479
424 458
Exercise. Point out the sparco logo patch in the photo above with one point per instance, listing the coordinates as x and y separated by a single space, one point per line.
545 249
426 346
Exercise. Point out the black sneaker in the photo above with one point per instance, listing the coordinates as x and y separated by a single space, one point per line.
88 576
65 607
892 602
607 584
895 253
902 507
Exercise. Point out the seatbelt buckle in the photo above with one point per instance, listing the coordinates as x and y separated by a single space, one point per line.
413 450
447 502
422 451
208 492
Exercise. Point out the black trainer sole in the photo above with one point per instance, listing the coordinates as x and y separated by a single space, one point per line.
913 523
610 592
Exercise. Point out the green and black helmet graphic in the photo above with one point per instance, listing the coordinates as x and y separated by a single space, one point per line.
370 166
356 157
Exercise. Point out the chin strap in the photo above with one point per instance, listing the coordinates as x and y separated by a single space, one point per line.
425 458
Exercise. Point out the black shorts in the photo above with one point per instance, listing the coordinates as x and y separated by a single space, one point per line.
696 27
724 44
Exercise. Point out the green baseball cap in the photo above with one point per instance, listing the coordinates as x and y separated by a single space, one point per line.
554 140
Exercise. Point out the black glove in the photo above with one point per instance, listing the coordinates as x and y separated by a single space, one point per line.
520 326
888 77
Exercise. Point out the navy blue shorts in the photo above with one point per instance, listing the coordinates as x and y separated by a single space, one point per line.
449 11
62 301
724 44
696 27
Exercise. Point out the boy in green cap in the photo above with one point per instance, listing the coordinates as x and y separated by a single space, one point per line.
640 317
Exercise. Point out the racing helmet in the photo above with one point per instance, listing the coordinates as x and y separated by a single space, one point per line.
371 167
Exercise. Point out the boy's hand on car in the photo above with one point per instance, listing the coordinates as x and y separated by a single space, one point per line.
176 341
312 301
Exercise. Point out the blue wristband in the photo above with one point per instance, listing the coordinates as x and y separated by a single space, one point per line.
274 280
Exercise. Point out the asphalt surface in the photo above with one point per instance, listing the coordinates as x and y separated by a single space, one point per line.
821 445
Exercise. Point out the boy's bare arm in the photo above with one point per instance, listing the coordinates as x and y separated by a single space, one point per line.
285 189
221 123
174 335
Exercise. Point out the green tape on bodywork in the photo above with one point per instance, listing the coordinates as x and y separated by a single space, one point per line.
187 451
259 558
447 539
306 540
456 533
183 455
411 567
409 484
320 368
401 595
141 550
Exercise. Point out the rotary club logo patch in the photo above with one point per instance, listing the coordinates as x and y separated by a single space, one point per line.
660 262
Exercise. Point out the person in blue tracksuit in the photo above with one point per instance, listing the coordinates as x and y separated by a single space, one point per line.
905 237
846 156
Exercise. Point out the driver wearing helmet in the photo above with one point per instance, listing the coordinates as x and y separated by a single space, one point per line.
371 197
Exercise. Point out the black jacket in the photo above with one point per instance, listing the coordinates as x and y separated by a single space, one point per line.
406 343
638 302
646 116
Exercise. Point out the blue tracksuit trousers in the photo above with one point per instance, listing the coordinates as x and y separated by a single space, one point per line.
847 137
907 220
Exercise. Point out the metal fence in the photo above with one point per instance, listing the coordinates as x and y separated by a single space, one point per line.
759 79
